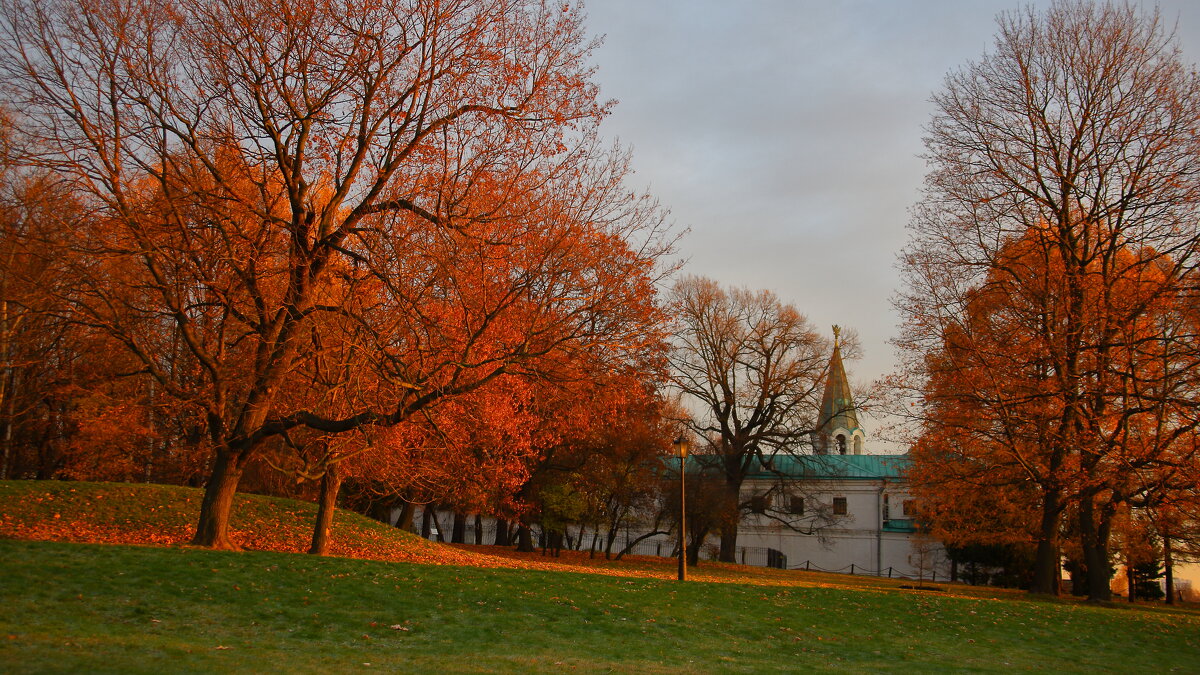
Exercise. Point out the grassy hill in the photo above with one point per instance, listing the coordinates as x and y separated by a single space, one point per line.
129 513
104 608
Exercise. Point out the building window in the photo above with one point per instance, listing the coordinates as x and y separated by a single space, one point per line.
796 506
839 506
910 507
887 509
760 503
841 444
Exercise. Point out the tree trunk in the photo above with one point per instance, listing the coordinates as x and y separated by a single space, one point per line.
1046 572
729 526
729 536
458 535
693 549
1169 568
408 511
1093 538
7 381
10 401
212 530
478 529
1078 572
609 539
1129 580
331 483
426 521
501 532
525 539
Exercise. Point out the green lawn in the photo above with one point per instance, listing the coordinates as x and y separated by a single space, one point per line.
105 608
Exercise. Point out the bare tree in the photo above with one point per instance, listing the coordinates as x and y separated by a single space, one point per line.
753 366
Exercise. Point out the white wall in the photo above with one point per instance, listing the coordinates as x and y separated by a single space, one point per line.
854 539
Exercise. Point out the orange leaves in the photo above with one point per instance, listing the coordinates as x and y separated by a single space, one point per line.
363 210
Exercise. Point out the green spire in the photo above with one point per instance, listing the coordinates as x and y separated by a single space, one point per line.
837 405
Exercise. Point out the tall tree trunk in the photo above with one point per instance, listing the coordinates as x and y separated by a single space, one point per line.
1095 552
331 483
408 511
501 532
478 529
729 536
609 539
437 526
1169 568
458 535
6 379
1046 571
212 530
729 526
9 412
693 548
151 441
426 521
525 539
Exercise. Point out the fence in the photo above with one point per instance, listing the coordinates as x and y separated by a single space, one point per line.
746 555
854 569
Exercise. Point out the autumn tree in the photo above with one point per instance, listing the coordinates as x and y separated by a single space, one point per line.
593 427
268 177
1055 231
61 412
622 482
752 366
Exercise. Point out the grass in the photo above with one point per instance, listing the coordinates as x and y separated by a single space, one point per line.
115 608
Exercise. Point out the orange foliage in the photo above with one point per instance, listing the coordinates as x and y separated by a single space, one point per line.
1014 425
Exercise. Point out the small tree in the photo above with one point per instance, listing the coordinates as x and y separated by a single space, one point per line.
1145 580
926 550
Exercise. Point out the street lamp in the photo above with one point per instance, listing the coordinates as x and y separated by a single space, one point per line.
681 450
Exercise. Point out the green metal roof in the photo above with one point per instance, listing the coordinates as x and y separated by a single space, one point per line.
837 403
861 467
833 466
900 525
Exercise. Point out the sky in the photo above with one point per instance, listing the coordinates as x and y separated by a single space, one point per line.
785 135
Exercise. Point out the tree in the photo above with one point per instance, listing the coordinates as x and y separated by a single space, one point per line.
752 365
620 477
1056 228
269 178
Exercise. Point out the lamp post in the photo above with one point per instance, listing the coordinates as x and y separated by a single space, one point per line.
681 450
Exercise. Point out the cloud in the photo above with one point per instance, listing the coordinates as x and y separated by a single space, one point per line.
786 134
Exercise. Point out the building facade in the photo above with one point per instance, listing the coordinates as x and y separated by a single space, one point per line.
841 508
838 509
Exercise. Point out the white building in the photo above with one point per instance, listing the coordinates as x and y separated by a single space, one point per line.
839 509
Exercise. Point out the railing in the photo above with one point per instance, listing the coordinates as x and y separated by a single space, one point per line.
860 570
746 555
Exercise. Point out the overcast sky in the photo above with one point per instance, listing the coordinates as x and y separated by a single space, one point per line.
785 135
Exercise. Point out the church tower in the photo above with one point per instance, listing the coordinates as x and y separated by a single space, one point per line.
837 431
